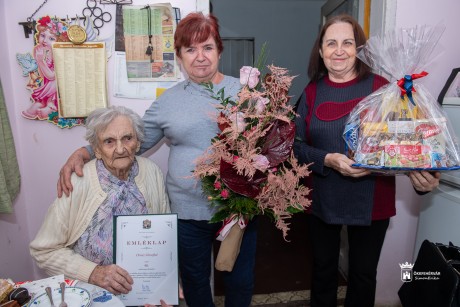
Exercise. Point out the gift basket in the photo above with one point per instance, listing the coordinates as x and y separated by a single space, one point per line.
401 127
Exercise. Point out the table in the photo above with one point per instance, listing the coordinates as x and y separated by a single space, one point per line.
99 296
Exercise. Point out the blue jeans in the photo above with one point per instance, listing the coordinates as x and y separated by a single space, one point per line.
195 244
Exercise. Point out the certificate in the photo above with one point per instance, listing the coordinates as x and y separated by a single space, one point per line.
146 247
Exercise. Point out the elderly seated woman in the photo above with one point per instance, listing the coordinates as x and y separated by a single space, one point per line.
76 236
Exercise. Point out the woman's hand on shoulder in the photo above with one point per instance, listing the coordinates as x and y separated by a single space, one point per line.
343 165
74 164
424 181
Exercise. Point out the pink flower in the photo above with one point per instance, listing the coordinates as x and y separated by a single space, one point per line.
238 121
260 105
260 162
53 27
61 27
217 185
225 194
249 76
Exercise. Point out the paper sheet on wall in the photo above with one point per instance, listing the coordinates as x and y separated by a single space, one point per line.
81 78
123 88
152 27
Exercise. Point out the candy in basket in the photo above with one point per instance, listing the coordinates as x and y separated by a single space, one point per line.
401 127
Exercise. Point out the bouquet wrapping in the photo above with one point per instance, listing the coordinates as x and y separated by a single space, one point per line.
250 169
401 127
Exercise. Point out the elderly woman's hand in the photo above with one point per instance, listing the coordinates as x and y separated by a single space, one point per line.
424 181
74 164
163 304
112 278
342 164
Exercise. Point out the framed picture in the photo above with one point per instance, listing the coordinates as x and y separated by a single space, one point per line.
450 93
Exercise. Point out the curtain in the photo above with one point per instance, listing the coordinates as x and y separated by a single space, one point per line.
10 178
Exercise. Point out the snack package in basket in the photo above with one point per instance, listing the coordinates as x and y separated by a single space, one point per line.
401 127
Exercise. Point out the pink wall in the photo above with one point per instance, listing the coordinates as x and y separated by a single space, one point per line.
42 147
400 239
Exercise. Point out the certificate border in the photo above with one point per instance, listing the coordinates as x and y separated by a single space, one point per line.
115 219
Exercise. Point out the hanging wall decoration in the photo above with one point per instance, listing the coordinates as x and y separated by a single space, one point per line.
149 42
39 68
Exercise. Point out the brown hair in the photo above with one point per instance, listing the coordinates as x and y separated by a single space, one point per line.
316 67
197 28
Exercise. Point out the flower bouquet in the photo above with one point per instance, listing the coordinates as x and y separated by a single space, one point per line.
250 169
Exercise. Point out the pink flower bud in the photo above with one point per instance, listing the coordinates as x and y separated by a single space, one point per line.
260 162
261 104
217 185
225 194
238 122
249 76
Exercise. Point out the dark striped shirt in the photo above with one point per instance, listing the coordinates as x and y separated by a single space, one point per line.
323 110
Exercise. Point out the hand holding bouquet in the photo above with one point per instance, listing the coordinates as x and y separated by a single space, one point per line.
250 169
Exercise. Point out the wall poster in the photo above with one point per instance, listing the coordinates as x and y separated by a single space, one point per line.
149 42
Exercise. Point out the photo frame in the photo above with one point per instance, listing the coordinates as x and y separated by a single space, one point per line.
450 93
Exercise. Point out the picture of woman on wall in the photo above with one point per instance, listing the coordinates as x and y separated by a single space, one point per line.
44 97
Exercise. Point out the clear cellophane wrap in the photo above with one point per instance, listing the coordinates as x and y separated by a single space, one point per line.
401 127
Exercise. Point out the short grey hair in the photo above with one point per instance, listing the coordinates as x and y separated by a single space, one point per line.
98 120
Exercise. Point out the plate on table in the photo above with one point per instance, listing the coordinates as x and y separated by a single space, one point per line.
74 297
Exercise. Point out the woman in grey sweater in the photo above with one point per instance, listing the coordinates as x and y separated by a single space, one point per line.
184 115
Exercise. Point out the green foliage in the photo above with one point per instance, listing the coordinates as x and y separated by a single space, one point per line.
220 95
242 205
294 210
261 60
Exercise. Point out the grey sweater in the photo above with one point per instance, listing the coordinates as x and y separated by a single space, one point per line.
186 115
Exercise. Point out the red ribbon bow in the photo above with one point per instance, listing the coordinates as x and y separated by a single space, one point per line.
405 84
